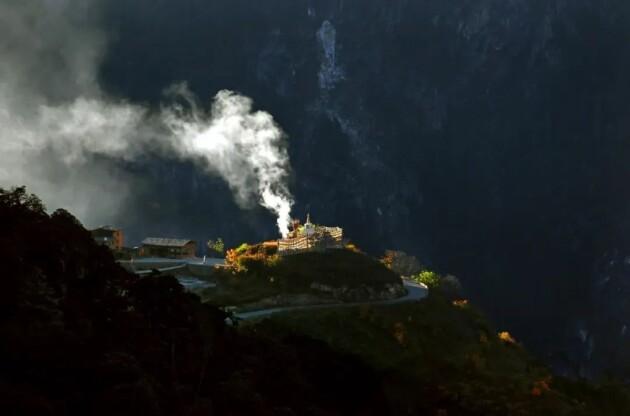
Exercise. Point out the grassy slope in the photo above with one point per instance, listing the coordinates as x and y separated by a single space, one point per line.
261 278
334 268
434 355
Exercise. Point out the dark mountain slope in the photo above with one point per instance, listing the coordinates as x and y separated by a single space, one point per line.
79 335
489 137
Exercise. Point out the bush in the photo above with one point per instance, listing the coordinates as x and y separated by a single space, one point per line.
401 263
447 287
242 248
431 279
216 247
246 257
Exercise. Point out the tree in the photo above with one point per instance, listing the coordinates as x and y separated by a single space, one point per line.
16 198
217 246
431 279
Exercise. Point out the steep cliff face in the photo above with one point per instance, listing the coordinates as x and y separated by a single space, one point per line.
488 137
600 335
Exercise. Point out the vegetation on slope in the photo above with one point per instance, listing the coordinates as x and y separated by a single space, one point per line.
79 335
257 271
442 357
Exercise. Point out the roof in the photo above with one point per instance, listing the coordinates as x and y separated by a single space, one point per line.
104 231
166 242
106 228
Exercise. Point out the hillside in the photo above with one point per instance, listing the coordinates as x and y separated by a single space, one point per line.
81 336
256 274
438 357
487 137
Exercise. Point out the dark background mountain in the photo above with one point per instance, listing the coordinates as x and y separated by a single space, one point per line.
490 138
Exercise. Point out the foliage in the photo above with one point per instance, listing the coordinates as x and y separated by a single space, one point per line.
440 358
252 258
353 247
401 263
18 199
431 279
242 248
257 271
217 246
506 337
80 335
447 286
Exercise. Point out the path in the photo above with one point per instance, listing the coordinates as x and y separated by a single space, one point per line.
415 293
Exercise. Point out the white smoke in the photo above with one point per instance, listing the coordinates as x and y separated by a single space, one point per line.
246 148
59 130
54 118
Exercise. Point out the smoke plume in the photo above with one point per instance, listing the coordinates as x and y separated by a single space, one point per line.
63 136
246 148
57 127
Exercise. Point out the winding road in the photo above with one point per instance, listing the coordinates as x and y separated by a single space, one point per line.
415 293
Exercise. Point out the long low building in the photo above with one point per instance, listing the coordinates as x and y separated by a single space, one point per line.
174 248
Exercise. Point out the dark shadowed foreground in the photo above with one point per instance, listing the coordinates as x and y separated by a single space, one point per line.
79 336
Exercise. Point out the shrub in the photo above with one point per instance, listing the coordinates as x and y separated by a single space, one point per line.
401 263
216 246
352 247
507 337
242 248
254 257
254 265
431 279
447 287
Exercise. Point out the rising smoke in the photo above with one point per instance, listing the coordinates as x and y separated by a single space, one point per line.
246 148
63 136
53 116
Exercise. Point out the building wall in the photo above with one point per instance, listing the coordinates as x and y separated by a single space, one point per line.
118 240
329 238
112 239
188 251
